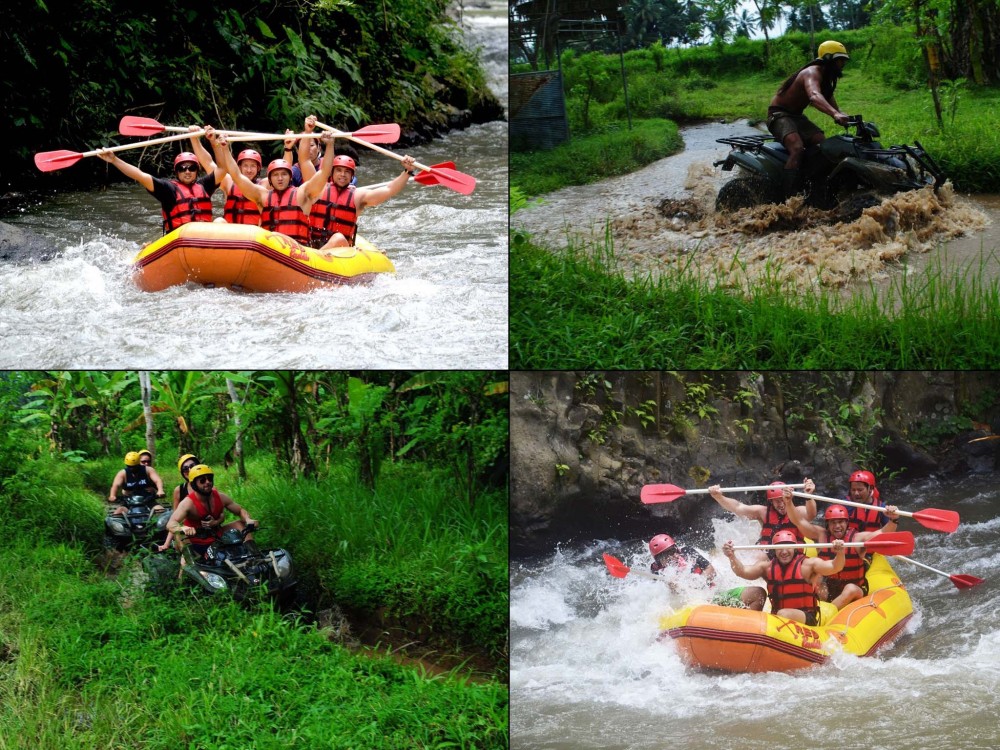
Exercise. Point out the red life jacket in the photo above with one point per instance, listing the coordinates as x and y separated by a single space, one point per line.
854 560
865 519
239 209
787 588
334 211
205 536
282 214
774 524
191 203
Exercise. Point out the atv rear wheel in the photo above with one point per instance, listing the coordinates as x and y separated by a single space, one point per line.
851 208
745 192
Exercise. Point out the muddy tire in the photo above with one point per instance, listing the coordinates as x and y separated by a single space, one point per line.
851 208
745 192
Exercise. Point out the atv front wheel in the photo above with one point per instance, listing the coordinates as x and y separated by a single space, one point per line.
745 192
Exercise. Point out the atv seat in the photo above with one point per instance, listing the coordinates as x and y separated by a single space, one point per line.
776 150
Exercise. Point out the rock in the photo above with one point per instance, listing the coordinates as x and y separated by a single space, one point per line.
23 246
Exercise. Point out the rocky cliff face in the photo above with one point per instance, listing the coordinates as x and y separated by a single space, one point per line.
584 443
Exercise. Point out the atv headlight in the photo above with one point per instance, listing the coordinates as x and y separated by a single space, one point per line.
214 579
161 522
284 565
117 527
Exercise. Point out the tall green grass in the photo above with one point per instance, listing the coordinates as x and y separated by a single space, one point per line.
84 666
577 310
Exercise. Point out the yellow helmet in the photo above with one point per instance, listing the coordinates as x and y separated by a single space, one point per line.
131 458
182 459
831 51
201 470
148 453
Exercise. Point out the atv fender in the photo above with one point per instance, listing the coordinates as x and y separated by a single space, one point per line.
874 175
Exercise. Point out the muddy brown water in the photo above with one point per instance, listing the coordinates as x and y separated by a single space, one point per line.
662 217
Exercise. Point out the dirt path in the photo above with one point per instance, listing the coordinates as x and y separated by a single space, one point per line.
663 217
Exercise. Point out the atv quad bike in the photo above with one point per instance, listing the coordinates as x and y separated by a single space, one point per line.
232 564
141 524
846 171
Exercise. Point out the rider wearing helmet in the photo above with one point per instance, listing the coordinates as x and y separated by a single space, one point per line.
789 576
197 519
333 218
774 516
813 85
668 554
185 198
137 479
862 490
849 583
184 464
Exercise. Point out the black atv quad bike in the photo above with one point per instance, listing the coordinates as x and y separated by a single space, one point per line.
846 171
141 525
231 564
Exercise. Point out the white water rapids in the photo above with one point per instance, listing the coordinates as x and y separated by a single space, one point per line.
588 672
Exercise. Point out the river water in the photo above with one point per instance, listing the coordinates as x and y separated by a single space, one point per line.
588 672
662 218
446 307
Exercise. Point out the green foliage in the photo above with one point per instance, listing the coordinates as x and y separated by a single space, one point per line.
259 67
562 319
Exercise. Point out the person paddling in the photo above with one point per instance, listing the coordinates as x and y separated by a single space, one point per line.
183 199
850 583
668 555
333 220
773 517
789 576
862 490
283 208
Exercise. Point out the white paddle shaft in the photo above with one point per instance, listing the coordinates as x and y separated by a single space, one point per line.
849 502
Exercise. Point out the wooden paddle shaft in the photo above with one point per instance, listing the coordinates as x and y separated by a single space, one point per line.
153 142
849 502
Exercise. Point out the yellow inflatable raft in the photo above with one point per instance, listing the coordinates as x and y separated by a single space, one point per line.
742 640
241 256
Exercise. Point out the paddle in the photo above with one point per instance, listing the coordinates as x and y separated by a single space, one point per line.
450 178
424 178
960 581
886 543
932 518
667 493
49 161
129 125
618 569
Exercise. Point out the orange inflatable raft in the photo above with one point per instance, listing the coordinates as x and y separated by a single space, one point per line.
240 256
742 640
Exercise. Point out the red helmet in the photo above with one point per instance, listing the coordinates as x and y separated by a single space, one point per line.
250 154
784 537
185 156
659 543
344 161
775 494
835 511
278 164
863 476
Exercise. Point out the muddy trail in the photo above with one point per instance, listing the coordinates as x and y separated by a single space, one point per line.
662 218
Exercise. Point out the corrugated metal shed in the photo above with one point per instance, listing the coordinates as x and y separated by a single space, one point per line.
537 111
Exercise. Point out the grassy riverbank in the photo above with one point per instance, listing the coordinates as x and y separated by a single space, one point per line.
576 308
91 660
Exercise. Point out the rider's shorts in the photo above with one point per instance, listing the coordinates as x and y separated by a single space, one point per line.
781 124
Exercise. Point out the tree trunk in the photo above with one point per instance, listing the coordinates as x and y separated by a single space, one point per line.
238 421
147 410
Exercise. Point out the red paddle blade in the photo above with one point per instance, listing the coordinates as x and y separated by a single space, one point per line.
49 161
139 126
616 567
966 582
388 133
939 520
457 181
891 543
428 178
661 493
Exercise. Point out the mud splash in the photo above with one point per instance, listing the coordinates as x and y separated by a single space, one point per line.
788 242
